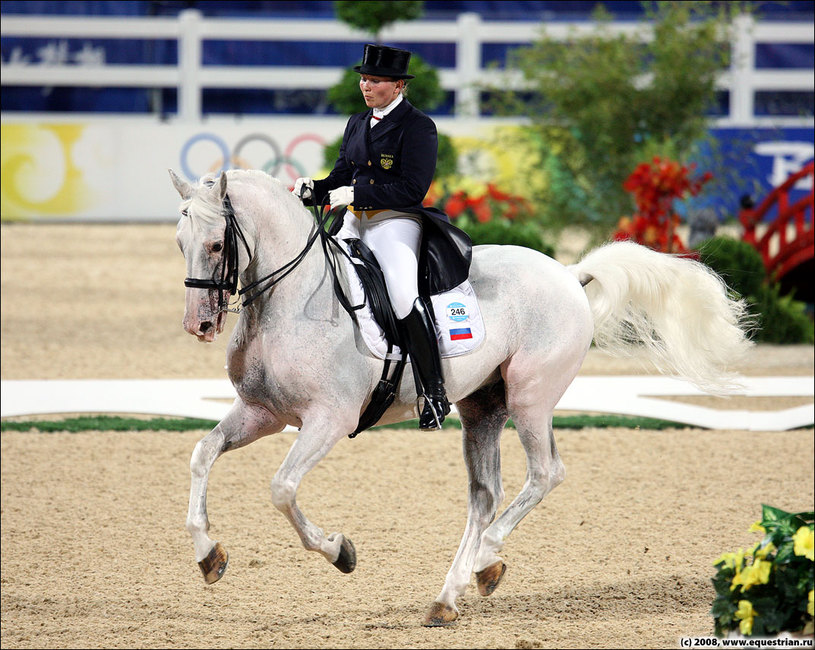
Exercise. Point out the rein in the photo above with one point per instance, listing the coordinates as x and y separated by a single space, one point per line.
321 217
228 267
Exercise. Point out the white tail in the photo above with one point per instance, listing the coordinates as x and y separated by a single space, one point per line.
673 310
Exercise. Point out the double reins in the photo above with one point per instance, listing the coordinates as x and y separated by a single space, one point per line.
228 267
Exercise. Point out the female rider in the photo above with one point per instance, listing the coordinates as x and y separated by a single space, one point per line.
386 163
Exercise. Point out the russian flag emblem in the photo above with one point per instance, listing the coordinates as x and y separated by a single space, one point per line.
460 333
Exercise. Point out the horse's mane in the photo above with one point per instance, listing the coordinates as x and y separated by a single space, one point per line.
208 208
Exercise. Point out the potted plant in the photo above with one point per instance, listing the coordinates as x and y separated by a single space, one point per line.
768 590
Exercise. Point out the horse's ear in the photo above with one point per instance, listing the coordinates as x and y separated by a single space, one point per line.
182 186
223 185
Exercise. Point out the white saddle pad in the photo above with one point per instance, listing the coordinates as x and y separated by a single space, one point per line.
459 325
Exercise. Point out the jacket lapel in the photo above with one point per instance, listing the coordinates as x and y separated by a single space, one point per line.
367 131
391 121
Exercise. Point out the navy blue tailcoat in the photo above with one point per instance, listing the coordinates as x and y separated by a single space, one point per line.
391 167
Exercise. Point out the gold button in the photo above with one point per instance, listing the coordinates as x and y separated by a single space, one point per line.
354 181
369 163
371 181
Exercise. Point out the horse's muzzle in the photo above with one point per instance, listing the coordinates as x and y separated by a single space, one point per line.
203 317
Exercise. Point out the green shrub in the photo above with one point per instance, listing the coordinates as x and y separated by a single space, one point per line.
331 153
503 232
767 590
375 15
738 262
781 318
447 160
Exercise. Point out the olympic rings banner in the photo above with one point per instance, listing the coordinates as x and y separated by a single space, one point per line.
116 169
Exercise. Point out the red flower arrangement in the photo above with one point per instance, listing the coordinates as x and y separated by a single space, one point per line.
492 204
655 186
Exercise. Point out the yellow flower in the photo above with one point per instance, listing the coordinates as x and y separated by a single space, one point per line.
804 542
762 553
757 573
757 528
746 614
732 560
811 603
728 559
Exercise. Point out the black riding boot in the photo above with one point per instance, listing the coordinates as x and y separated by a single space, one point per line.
423 348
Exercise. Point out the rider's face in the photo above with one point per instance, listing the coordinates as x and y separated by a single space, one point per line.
378 92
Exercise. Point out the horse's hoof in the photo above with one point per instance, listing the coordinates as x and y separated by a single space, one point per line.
214 564
347 559
489 579
440 615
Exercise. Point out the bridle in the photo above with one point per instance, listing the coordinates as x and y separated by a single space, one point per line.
225 276
228 267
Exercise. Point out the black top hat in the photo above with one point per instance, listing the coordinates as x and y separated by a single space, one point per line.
384 61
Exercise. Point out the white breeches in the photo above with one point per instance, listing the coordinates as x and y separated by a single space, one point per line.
395 241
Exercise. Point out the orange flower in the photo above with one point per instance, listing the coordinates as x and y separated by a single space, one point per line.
455 205
494 203
624 224
496 194
655 186
481 209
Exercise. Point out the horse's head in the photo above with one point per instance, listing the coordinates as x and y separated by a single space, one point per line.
207 238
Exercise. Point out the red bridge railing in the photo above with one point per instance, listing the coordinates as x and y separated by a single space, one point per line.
780 252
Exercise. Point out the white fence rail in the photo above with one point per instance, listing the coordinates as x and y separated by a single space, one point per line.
467 32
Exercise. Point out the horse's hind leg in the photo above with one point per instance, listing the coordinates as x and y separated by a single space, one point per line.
483 416
544 472
531 399
241 426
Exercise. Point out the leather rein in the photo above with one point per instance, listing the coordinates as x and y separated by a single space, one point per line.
225 276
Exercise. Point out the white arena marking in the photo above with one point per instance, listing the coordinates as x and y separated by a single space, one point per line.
211 399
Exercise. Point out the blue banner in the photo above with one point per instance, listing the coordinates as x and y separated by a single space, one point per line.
750 162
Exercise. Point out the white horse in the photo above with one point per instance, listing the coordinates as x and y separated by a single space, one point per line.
296 359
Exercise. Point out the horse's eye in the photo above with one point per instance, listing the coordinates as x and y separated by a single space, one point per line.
217 247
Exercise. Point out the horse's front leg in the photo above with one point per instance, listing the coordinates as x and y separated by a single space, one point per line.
317 437
242 425
483 416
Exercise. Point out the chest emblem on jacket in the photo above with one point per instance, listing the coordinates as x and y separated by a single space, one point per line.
386 161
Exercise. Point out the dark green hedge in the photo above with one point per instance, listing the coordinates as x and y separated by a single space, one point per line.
780 319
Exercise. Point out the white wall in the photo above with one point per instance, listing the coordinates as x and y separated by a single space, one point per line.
115 168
